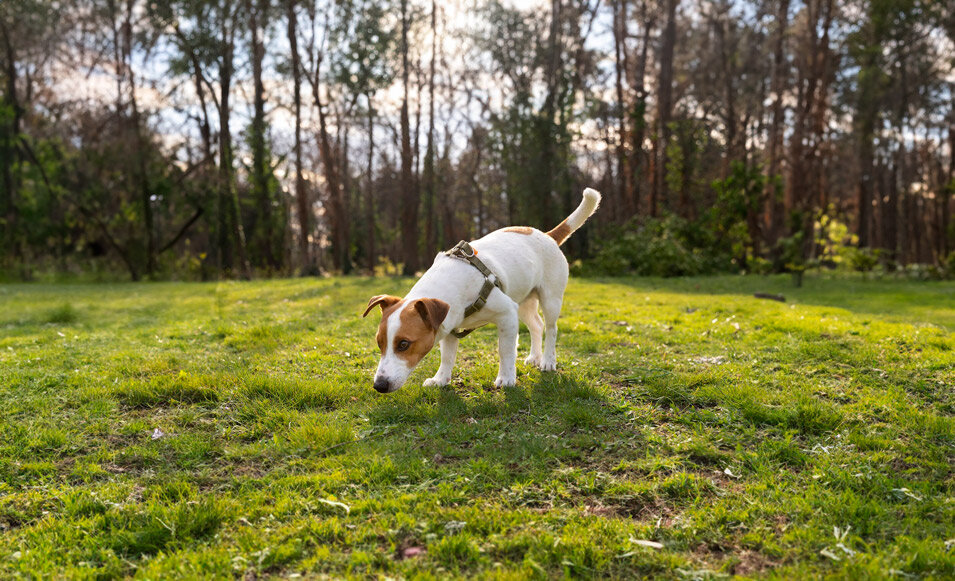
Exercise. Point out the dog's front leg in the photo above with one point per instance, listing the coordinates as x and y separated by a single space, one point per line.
449 350
507 327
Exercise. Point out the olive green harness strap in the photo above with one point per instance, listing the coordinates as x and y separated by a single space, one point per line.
464 251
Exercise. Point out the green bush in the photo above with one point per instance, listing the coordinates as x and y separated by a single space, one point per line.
949 265
862 259
658 247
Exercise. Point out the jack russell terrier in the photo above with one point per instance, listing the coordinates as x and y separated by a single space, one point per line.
500 278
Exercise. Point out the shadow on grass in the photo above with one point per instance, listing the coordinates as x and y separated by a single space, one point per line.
518 436
560 425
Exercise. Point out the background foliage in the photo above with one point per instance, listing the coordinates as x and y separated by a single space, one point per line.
194 139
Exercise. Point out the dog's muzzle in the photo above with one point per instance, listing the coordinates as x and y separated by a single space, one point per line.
382 385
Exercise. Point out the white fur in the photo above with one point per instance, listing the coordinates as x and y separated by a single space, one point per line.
533 271
587 207
392 367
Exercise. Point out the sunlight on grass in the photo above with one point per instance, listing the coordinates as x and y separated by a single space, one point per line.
692 431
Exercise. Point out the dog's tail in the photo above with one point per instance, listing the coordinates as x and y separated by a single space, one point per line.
570 224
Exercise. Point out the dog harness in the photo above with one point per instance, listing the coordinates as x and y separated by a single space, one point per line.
463 251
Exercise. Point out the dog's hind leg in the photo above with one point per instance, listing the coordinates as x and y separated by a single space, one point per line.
550 304
449 350
530 317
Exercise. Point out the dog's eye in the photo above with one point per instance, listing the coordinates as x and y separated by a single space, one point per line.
403 345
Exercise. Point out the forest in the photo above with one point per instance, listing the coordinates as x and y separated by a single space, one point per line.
181 139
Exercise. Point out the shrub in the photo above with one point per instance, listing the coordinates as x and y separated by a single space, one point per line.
948 265
658 247
64 314
862 259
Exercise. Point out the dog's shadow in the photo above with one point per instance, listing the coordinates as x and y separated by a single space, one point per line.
548 421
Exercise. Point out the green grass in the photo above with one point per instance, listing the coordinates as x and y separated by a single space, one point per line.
229 430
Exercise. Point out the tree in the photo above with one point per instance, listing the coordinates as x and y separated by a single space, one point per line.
361 66
779 83
814 76
205 34
267 229
410 196
658 192
306 263
335 200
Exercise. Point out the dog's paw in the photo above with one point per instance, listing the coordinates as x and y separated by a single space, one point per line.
549 365
502 381
436 381
534 360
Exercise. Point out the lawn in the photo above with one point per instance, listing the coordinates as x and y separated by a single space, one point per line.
692 431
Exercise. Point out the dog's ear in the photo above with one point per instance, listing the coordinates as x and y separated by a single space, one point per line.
432 311
384 300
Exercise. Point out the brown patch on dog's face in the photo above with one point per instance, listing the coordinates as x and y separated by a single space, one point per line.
414 337
418 326
526 230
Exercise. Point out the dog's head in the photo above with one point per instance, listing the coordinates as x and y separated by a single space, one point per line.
405 335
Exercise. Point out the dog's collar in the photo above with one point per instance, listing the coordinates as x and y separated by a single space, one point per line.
463 251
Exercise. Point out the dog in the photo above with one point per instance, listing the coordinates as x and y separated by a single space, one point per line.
516 269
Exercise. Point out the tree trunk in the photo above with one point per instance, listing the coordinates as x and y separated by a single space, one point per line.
729 101
142 176
431 245
775 207
263 229
230 224
344 230
804 190
624 189
638 114
370 194
659 193
866 131
335 207
409 194
306 266
9 152
948 189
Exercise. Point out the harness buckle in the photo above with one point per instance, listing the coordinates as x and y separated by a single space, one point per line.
462 250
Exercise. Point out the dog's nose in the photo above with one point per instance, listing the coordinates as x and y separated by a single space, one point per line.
382 385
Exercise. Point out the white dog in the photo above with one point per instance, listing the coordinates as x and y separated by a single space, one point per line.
500 278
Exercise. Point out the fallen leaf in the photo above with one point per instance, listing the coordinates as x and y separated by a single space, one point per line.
335 504
830 554
729 473
906 492
846 549
646 543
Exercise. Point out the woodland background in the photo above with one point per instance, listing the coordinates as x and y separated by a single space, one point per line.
186 139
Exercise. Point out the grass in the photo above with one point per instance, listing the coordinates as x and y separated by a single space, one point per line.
230 430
